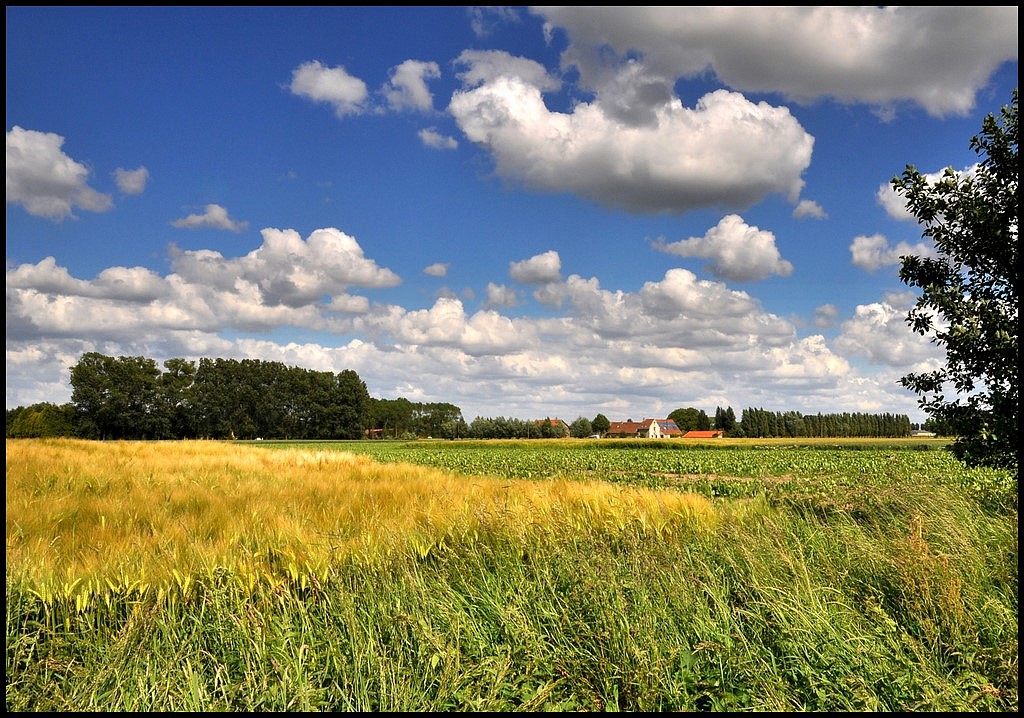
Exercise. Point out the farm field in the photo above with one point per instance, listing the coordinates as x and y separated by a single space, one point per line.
508 576
717 468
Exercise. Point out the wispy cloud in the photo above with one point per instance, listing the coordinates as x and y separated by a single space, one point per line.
432 138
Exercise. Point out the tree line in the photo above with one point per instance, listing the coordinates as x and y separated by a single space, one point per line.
130 397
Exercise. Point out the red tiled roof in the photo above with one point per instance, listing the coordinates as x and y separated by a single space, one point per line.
713 434
666 427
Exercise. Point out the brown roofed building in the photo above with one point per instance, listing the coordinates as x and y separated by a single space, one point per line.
646 429
624 428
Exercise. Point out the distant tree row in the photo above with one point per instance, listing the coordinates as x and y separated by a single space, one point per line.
502 427
760 423
755 423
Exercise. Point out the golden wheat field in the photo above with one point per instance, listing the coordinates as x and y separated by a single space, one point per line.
149 515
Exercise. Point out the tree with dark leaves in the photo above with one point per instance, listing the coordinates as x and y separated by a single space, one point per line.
970 293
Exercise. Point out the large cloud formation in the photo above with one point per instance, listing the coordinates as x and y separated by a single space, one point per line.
724 152
876 55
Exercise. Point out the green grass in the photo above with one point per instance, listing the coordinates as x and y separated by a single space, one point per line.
887 591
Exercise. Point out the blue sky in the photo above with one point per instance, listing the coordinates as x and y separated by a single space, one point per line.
525 212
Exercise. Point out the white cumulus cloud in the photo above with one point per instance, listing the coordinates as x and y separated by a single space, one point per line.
539 269
809 208
500 295
872 252
825 316
738 251
407 88
939 57
879 332
724 152
332 85
44 180
288 270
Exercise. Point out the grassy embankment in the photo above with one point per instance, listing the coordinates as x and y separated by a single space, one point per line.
210 576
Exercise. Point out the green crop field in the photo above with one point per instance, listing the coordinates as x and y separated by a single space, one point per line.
551 575
720 467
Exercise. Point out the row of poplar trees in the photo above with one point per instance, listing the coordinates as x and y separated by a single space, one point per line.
760 423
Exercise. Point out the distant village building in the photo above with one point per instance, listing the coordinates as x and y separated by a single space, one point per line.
557 427
646 429
713 434
666 429
623 428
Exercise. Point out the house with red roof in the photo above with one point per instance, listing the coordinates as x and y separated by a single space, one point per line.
557 427
646 429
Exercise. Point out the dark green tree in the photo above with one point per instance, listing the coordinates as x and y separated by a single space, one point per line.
39 420
312 405
725 419
690 419
481 428
793 424
392 416
970 293
581 428
600 424
227 399
175 393
439 420
117 397
353 407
